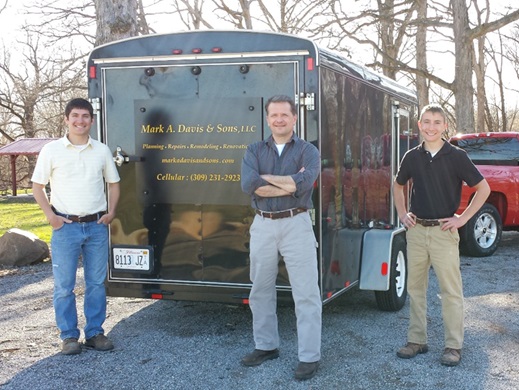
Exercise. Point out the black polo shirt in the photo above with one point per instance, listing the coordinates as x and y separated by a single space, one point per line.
437 181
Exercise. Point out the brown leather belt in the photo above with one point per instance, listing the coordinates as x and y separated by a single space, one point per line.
280 214
81 219
428 222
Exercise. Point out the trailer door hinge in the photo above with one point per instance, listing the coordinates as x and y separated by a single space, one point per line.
307 100
96 104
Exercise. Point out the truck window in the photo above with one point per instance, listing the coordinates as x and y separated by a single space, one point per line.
491 151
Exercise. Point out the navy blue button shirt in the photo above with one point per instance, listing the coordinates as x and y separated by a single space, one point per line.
263 158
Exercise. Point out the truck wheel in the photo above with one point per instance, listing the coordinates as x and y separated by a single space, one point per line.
394 298
481 235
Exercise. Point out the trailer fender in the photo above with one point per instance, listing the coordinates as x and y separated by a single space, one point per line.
376 259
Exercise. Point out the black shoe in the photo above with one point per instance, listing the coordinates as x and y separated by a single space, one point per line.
306 371
256 357
70 347
99 343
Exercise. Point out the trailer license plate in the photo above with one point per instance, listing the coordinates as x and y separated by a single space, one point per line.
131 259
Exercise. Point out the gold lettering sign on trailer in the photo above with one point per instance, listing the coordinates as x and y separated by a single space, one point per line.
192 149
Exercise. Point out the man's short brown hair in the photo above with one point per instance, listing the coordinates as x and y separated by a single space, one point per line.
434 108
282 99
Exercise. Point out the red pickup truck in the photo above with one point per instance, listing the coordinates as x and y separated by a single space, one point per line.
497 157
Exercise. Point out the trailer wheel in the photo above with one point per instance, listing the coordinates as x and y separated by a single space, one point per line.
481 235
394 299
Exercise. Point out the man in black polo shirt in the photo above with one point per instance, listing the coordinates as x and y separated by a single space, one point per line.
437 170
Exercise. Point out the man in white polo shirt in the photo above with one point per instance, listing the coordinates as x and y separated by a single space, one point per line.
78 167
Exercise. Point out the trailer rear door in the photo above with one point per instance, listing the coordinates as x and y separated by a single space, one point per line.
181 131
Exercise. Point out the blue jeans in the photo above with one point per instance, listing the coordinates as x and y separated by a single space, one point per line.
90 240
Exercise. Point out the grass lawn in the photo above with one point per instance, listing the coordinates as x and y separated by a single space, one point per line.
23 212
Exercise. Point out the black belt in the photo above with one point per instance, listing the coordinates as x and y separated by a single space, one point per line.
281 214
81 219
427 222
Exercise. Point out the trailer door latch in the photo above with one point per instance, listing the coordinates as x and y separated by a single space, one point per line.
121 158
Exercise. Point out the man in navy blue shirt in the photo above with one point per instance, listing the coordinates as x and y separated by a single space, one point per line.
279 173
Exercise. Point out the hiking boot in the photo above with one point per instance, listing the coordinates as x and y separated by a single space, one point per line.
306 371
451 357
256 357
99 343
70 347
410 350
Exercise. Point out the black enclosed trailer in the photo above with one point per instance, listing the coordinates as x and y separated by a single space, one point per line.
178 111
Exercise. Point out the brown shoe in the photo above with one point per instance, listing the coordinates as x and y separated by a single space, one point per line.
256 357
451 357
99 343
306 371
70 347
410 350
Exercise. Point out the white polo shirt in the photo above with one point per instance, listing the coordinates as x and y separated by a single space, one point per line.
77 175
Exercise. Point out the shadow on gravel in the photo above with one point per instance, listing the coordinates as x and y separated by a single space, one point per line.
179 345
171 345
11 280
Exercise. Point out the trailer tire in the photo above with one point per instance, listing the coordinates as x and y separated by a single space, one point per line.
481 235
394 299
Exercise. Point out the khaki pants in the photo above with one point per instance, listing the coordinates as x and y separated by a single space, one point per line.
428 246
294 239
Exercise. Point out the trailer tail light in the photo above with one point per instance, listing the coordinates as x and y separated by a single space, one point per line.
157 296
216 49
176 51
92 71
196 50
384 269
310 63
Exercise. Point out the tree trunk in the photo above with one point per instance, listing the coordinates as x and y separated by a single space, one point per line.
387 24
116 19
421 53
480 71
463 88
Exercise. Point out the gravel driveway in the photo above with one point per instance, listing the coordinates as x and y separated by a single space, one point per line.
184 345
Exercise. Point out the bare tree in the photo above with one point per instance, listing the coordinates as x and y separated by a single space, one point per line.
36 82
512 50
240 17
511 54
115 19
291 16
83 20
480 67
463 47
288 16
396 27
464 37
401 34
192 13
422 87
59 21
30 91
